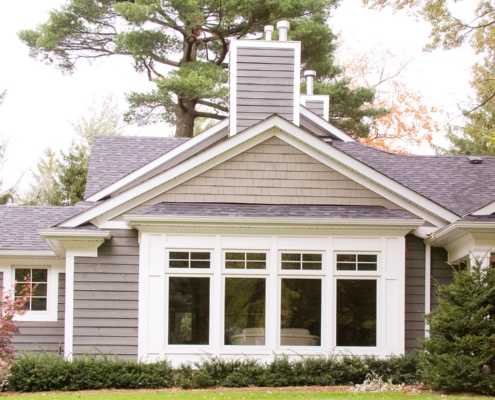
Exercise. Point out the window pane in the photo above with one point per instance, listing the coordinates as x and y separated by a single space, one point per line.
40 289
346 267
189 310
38 304
367 267
234 264
179 255
235 256
21 273
256 265
256 256
245 311
369 258
39 275
291 265
300 312
356 312
346 258
200 256
312 257
178 264
200 264
291 257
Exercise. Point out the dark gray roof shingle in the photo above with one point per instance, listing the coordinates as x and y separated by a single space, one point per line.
114 157
450 181
19 225
271 211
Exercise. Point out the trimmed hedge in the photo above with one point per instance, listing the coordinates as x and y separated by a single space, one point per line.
47 372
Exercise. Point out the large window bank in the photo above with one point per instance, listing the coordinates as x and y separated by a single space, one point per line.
231 296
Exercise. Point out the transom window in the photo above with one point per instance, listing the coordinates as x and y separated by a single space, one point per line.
189 259
301 261
236 260
37 279
357 262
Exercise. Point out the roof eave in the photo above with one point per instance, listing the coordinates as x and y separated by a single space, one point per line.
142 221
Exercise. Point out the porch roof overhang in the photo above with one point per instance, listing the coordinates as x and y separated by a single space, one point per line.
262 216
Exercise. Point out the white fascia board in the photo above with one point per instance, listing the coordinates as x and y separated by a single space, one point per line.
28 254
137 221
326 125
283 129
456 230
368 177
488 209
194 141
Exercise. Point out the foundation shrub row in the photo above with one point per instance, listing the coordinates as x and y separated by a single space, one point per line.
49 372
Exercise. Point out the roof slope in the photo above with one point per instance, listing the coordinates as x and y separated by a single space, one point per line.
271 211
114 157
450 181
19 225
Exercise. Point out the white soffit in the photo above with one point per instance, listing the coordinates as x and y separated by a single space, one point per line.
293 135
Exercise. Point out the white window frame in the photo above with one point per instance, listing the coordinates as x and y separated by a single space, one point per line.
51 313
357 275
188 273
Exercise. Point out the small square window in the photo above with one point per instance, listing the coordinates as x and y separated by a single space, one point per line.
37 279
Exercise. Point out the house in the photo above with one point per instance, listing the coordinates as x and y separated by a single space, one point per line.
272 232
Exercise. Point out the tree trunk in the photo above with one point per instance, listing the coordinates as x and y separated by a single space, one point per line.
185 115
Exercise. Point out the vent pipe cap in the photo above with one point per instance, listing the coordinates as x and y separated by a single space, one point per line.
283 27
268 32
310 76
475 160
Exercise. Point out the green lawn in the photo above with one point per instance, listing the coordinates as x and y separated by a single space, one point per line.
237 395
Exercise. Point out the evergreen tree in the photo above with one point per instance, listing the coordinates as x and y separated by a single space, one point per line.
182 46
477 136
460 351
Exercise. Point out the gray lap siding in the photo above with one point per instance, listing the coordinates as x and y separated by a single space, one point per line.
106 298
415 287
44 335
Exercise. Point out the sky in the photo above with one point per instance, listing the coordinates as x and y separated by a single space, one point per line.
42 104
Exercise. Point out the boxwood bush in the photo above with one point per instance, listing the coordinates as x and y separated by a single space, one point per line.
48 372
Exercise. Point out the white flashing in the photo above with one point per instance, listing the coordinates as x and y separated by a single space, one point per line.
28 254
159 161
487 209
326 125
272 126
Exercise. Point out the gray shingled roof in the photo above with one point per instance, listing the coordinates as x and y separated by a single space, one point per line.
114 157
271 211
19 225
451 181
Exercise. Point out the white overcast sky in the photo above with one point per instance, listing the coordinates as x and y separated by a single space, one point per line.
41 102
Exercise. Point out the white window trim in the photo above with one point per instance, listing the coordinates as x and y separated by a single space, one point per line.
51 313
389 277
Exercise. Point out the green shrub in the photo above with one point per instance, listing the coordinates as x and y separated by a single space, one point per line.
46 372
460 352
